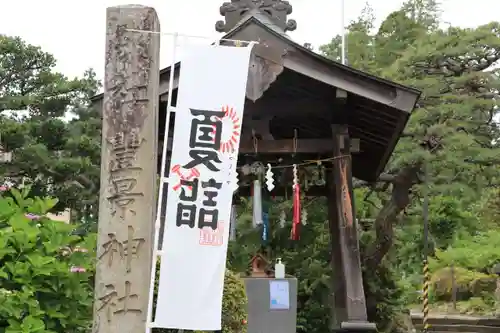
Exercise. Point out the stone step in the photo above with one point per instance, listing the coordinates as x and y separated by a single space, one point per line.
460 328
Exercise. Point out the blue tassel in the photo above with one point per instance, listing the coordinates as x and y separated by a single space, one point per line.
265 227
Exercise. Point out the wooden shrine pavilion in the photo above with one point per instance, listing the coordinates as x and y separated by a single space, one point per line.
302 106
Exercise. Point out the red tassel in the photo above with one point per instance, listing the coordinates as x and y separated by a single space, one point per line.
296 213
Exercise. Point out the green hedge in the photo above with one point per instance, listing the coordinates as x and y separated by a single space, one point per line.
46 272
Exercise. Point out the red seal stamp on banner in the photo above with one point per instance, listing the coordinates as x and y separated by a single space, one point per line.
210 237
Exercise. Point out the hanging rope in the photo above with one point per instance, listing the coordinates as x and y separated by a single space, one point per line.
307 162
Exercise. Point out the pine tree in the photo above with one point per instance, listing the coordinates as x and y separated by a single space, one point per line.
55 156
452 127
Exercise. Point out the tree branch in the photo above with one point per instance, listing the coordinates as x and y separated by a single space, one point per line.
383 178
387 217
483 163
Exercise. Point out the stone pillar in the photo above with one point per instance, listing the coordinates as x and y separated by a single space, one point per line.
127 204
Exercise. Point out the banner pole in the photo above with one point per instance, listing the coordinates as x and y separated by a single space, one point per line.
342 32
164 180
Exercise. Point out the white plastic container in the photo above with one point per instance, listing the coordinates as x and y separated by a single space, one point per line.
279 269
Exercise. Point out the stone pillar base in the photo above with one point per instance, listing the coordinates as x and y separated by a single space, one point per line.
356 327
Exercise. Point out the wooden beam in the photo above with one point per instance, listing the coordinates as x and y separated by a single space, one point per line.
316 146
287 146
281 191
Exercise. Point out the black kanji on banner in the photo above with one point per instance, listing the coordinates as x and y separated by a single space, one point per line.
209 217
204 144
204 139
186 208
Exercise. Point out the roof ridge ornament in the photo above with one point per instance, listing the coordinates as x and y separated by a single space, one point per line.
276 10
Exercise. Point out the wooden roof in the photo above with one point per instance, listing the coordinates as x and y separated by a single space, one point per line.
303 96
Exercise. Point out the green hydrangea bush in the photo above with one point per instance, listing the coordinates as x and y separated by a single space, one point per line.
45 270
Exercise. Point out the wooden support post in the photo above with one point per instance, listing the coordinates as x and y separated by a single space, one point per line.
338 301
343 223
128 170
346 227
349 297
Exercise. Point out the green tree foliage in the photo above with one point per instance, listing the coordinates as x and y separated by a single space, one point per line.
452 128
479 253
57 156
46 283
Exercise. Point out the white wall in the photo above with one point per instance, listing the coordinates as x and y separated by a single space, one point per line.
63 216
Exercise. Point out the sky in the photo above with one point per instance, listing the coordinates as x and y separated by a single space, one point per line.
74 31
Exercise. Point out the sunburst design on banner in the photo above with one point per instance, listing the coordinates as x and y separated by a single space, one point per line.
230 135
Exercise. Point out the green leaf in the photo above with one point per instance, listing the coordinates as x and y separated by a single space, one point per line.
5 248
6 208
32 325
3 273
38 260
18 196
50 203
14 327
20 223
26 191
55 313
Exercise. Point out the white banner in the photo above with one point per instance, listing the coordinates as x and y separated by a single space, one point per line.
208 120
